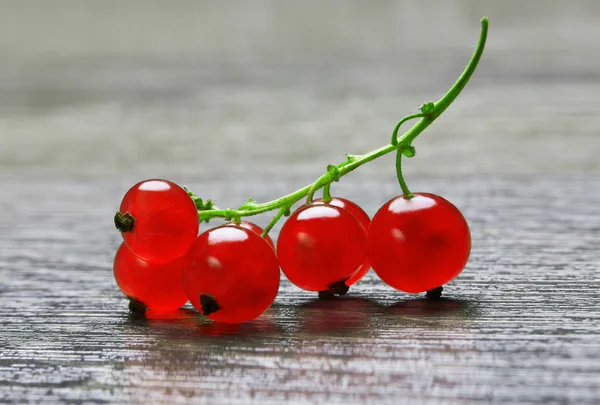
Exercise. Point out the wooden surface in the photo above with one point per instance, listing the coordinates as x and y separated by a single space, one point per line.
92 105
521 324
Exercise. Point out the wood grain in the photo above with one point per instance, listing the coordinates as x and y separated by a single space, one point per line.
520 325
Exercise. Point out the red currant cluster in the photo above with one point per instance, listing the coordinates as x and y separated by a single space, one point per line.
415 242
231 274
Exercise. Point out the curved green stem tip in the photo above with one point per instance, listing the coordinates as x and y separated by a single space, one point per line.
400 144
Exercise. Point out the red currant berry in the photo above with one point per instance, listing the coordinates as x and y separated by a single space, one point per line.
254 228
158 220
154 286
232 275
320 247
364 220
418 244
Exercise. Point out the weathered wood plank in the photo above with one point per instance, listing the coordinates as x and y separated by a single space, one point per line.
520 325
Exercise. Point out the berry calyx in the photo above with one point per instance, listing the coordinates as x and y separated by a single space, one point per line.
208 304
435 294
136 306
124 222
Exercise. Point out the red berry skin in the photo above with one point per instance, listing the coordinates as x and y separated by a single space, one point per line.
237 268
364 220
321 245
418 244
157 286
254 228
166 220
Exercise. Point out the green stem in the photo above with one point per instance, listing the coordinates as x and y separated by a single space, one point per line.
276 218
326 193
394 140
407 194
315 186
427 117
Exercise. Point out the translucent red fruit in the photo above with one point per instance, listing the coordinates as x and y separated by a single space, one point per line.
165 220
364 220
320 247
157 286
232 275
418 244
254 228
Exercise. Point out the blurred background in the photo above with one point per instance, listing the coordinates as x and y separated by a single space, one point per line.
208 88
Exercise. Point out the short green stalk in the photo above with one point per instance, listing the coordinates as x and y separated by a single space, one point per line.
402 145
405 191
326 193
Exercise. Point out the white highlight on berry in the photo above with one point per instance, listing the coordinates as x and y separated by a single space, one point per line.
213 262
155 185
418 202
398 235
306 240
226 234
318 211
